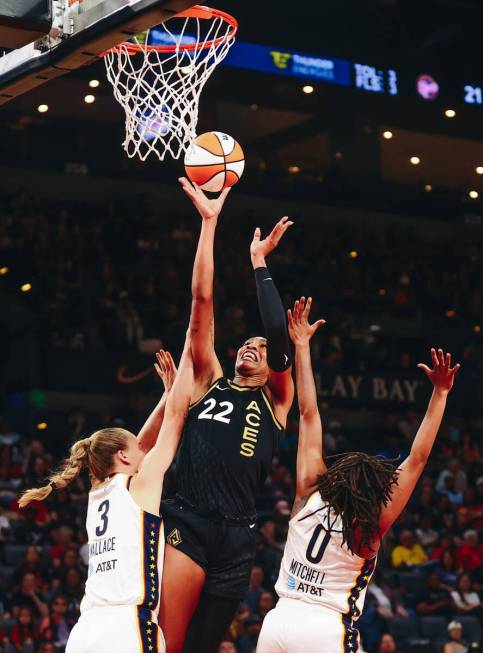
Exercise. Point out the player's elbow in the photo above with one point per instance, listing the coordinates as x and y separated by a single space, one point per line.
309 414
306 484
418 460
177 413
309 473
310 425
201 297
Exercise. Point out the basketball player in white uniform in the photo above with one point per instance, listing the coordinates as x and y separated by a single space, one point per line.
339 516
126 536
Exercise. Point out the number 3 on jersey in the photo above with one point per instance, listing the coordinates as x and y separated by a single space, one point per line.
103 510
221 416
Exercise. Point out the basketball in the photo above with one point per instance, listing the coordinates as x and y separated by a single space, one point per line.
214 161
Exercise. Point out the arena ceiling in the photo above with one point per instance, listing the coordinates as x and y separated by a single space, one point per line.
283 128
395 28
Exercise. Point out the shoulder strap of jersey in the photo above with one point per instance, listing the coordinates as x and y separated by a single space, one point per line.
313 507
214 384
310 507
270 408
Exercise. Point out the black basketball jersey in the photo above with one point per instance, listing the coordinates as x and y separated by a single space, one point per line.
228 443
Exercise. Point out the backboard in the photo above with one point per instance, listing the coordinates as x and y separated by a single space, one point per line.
81 30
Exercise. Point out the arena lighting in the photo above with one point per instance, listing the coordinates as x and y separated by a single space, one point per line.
415 160
428 188
450 313
387 135
43 108
294 170
41 426
26 287
3 270
450 113
479 170
474 194
89 99
307 89
477 328
353 254
381 292
94 83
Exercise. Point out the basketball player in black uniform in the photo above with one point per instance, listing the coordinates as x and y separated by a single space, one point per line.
227 447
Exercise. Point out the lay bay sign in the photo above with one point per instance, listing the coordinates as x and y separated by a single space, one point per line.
377 388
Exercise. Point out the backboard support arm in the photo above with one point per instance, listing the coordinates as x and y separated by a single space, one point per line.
94 31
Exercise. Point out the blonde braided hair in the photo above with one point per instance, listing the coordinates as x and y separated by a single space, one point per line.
96 453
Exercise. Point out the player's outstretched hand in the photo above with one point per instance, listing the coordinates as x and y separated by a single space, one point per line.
207 208
259 248
165 368
299 329
442 375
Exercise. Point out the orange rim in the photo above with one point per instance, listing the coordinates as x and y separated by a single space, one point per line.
198 11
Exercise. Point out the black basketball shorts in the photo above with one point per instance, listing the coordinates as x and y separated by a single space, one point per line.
226 552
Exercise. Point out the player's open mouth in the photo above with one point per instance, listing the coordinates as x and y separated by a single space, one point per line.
249 355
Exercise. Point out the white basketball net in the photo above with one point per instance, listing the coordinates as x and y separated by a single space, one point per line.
160 91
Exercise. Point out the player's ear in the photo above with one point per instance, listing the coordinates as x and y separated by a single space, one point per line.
122 456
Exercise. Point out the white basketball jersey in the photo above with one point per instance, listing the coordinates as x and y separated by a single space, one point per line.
126 549
316 566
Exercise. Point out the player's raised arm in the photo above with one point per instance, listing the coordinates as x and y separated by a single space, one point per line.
310 462
279 356
442 377
147 484
202 324
166 370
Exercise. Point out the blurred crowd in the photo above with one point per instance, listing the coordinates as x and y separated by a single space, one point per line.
117 276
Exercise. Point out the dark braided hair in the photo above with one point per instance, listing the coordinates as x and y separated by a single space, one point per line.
356 486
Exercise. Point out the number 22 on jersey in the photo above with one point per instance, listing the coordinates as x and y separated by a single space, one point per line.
219 416
220 411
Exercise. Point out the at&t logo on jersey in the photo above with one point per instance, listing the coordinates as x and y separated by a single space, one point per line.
308 580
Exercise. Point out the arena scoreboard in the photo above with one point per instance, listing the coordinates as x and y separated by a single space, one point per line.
360 75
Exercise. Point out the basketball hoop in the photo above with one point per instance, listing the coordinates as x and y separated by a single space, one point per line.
159 86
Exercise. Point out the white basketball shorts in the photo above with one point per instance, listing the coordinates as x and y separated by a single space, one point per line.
295 626
116 629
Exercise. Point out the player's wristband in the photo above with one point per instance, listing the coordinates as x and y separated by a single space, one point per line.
272 312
